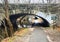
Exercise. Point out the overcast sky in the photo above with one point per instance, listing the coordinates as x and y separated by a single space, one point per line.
27 1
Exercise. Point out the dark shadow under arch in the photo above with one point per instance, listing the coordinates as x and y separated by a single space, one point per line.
14 17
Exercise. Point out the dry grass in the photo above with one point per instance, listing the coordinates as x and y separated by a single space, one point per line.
21 32
51 28
54 34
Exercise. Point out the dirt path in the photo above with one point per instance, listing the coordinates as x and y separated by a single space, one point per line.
38 35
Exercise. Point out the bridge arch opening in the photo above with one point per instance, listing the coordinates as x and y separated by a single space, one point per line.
35 20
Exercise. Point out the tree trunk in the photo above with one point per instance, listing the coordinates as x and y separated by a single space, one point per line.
7 17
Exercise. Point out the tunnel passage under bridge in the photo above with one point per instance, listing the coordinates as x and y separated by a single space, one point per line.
31 19
27 19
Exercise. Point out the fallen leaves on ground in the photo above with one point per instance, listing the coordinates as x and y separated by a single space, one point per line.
20 32
54 34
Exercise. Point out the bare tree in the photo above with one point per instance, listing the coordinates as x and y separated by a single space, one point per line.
7 17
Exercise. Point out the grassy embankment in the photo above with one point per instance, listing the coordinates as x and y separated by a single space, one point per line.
21 32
